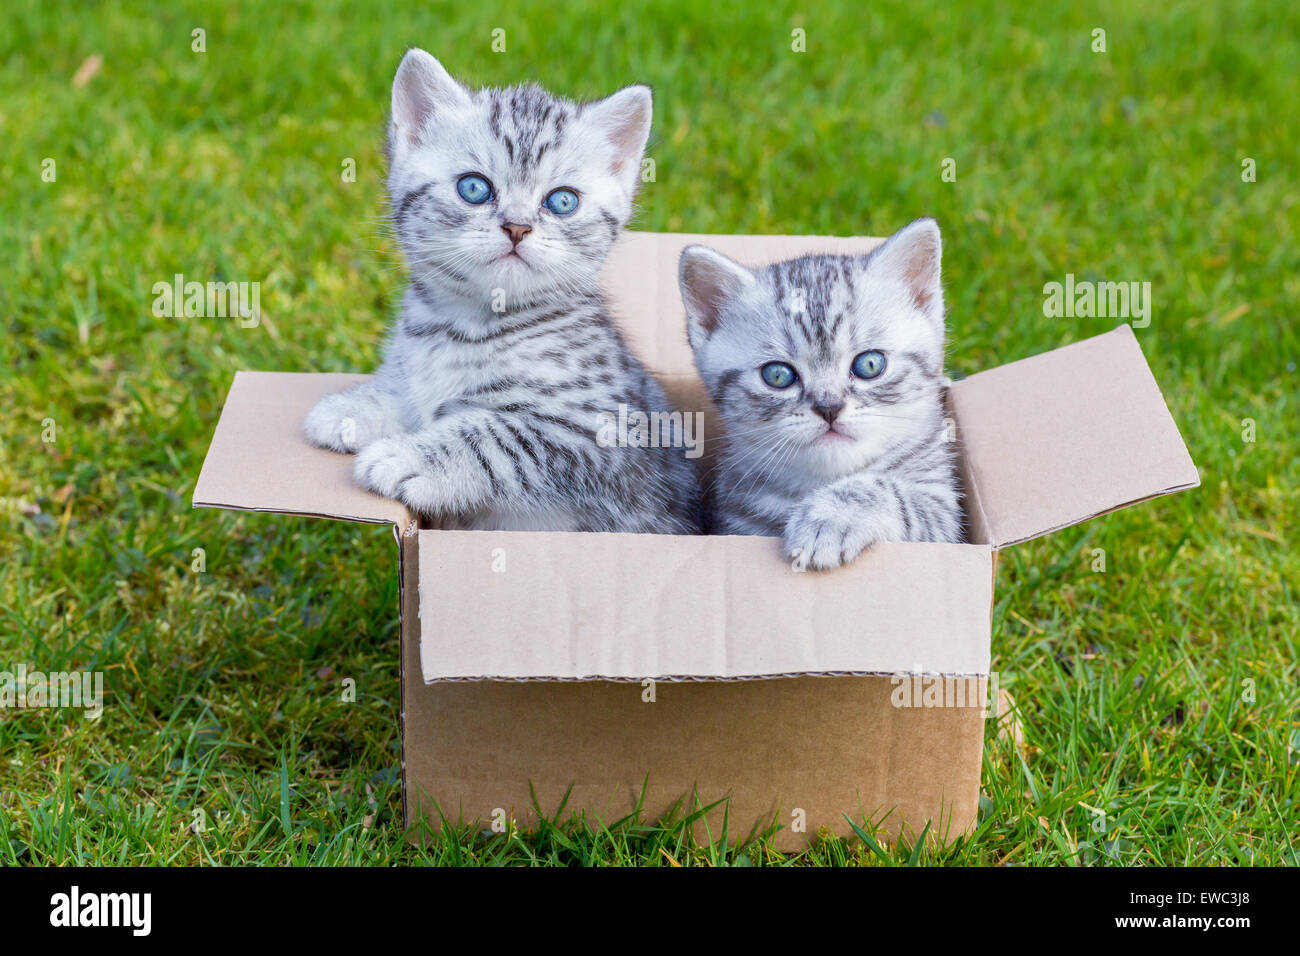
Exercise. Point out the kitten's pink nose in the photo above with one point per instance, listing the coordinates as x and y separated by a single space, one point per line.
517 231
828 409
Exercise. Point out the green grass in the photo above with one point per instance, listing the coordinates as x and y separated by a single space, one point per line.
1132 683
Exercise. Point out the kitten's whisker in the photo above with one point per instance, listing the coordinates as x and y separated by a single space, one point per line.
774 453
746 454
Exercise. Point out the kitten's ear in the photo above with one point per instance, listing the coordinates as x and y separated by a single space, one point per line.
624 118
420 89
912 256
709 280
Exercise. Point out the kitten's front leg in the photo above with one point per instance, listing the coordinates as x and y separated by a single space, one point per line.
834 524
436 471
353 418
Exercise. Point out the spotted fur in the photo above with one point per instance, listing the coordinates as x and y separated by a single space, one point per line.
501 367
833 463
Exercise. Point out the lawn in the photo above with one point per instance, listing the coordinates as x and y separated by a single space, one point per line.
1159 698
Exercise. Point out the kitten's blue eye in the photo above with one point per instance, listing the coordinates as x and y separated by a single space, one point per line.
474 189
562 201
778 374
869 364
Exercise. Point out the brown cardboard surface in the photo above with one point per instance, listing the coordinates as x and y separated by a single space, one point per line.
1060 437
574 606
259 460
826 746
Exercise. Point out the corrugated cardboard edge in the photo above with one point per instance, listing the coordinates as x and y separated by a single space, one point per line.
699 679
223 506
408 553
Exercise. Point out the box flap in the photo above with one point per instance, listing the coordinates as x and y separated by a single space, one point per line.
628 607
1061 437
260 461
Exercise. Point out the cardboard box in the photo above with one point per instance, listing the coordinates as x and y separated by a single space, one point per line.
706 667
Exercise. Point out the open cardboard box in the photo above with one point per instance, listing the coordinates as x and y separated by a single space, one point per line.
662 667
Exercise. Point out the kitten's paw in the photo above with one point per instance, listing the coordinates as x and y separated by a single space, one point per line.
820 536
387 465
341 423
328 425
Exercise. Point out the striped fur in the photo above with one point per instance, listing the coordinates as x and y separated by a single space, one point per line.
501 367
888 475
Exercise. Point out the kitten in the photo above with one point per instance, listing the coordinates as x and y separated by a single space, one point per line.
826 372
503 361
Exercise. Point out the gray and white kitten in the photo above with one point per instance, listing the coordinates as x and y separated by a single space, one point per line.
503 359
826 372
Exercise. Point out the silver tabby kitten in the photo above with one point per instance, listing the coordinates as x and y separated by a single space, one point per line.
485 411
826 371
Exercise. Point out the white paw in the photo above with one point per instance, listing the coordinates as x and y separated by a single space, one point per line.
342 423
820 536
329 426
385 466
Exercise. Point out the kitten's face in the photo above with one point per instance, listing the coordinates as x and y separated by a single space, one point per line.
823 364
509 196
